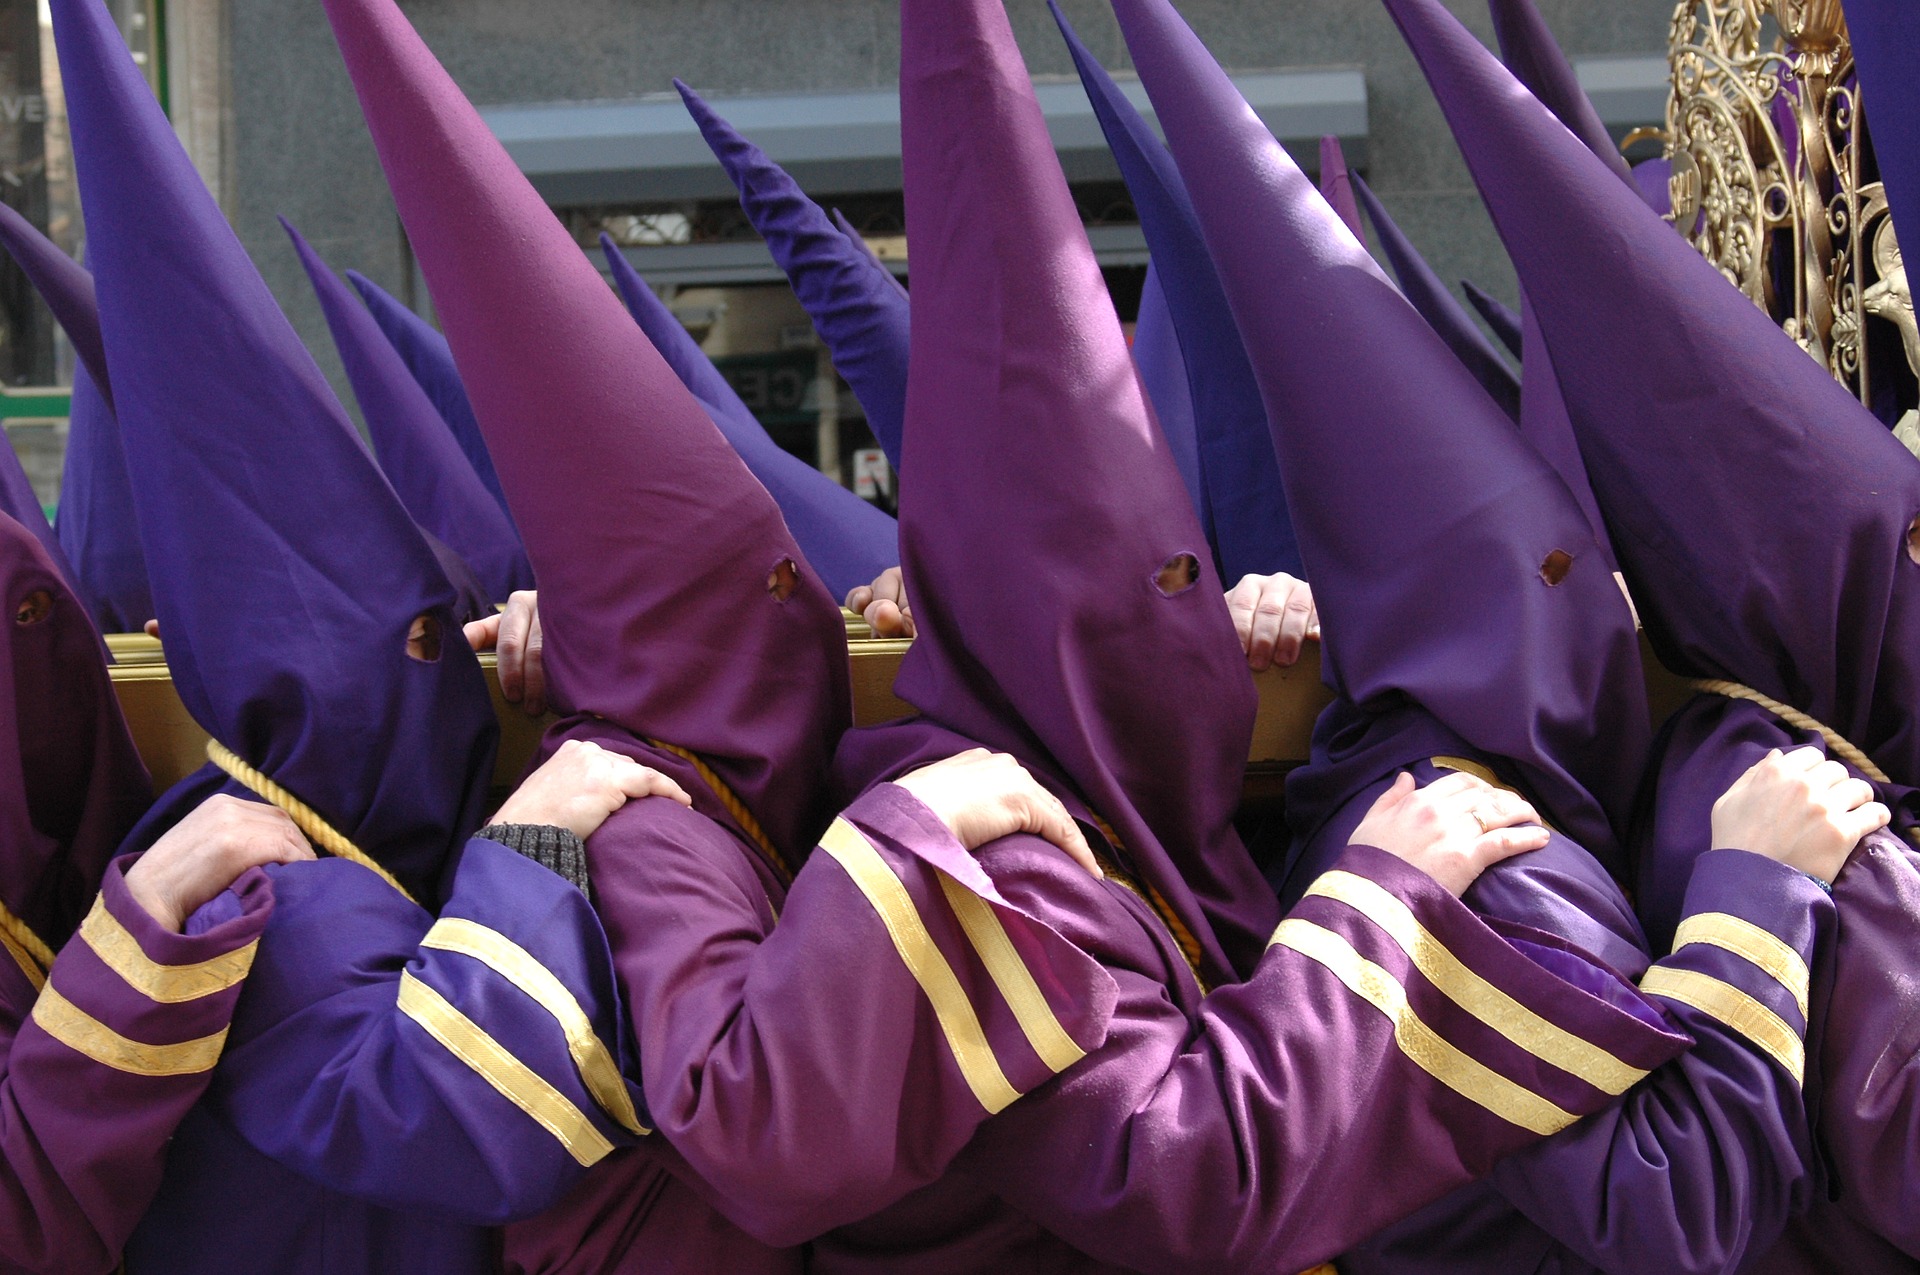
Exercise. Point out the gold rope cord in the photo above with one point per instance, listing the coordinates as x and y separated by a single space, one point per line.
732 804
322 834
1794 717
22 936
1182 936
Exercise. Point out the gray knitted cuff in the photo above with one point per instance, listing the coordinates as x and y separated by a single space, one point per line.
555 849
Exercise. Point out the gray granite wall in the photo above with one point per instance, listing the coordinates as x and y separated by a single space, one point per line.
299 148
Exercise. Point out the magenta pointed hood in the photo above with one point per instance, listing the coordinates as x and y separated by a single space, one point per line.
652 542
1451 566
71 784
1035 485
1760 512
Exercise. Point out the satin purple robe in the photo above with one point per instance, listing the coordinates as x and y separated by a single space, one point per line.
815 1090
1699 1164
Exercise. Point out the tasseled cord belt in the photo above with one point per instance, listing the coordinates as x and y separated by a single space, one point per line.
322 834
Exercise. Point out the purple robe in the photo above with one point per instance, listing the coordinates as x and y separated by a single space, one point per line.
102 1054
1166 1139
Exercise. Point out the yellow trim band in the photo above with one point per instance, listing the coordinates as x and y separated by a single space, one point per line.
80 1031
520 967
1010 974
322 834
925 961
167 984
1736 1009
1424 1047
1545 1040
1774 957
511 1078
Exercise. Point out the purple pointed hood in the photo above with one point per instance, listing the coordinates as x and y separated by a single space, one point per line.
1504 322
1246 504
1886 40
1760 512
64 285
1410 489
1437 306
1336 185
95 523
71 784
286 573
848 541
20 502
854 237
1163 374
1528 48
417 452
855 303
427 356
674 601
1032 456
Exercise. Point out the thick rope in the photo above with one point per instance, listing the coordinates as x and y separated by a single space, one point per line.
731 802
322 834
1183 937
1836 742
23 936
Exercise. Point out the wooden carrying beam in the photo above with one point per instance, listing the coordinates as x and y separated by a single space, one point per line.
173 745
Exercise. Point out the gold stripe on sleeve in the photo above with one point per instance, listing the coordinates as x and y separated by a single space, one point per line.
924 960
1744 939
1011 975
513 1079
168 984
1736 1009
80 1031
518 966
1424 1047
1540 1037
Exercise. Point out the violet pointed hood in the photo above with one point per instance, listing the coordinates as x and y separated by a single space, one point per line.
71 784
1246 505
287 575
427 356
673 600
1163 374
1528 48
1885 35
1421 286
416 450
64 285
856 305
1761 514
1336 185
1504 322
1031 456
848 541
1451 566
95 522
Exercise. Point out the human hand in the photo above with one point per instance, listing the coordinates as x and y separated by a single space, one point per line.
580 785
1274 615
206 852
515 634
1800 809
1454 829
883 605
983 796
